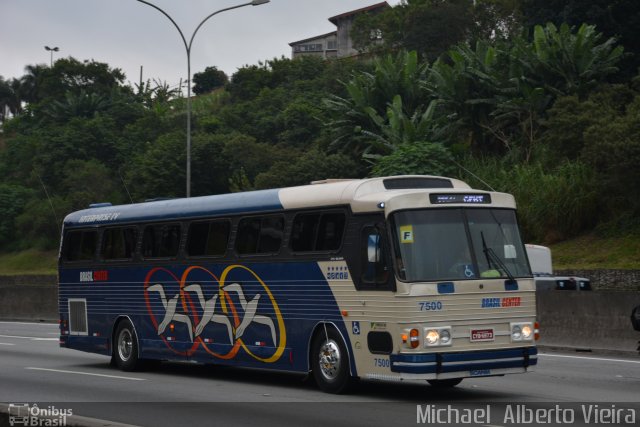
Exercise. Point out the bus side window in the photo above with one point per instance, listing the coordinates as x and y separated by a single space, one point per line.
303 233
315 232
259 235
118 243
271 234
80 245
247 236
331 232
208 238
161 241
375 268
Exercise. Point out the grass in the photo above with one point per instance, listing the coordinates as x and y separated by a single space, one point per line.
590 252
28 262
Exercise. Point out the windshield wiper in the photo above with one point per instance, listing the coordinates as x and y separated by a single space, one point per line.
490 254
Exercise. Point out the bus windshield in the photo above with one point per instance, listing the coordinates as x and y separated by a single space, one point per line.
458 244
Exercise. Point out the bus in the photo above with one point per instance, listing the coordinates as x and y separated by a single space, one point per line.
392 278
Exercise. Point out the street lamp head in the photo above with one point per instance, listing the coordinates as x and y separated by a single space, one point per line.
259 2
55 49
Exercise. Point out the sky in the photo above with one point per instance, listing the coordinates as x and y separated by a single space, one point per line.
127 34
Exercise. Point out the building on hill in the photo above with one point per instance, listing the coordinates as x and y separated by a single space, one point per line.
336 44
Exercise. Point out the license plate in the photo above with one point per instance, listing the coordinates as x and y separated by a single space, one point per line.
480 372
478 335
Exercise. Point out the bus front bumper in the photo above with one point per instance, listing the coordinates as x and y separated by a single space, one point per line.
464 364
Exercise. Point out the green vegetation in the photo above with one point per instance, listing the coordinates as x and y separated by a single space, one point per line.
29 262
594 252
539 99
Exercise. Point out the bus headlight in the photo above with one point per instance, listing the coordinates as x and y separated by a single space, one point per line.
445 336
432 337
522 332
437 336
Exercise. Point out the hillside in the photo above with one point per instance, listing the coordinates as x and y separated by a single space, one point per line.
592 252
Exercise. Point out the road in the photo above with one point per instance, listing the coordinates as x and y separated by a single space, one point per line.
34 369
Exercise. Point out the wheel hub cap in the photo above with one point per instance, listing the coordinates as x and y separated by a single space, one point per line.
330 360
125 345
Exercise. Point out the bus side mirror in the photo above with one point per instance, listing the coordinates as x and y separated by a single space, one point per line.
373 248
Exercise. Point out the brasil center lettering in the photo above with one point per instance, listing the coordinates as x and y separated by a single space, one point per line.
501 302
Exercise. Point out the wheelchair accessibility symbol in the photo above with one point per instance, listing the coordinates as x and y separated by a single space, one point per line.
468 271
355 328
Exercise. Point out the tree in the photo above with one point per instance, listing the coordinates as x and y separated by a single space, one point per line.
244 153
13 199
210 79
419 158
72 105
434 26
430 27
90 181
5 99
247 82
612 148
313 165
564 61
497 19
614 18
397 130
369 95
45 84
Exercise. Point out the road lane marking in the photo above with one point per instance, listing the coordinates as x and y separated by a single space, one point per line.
29 338
588 358
28 323
6 343
85 373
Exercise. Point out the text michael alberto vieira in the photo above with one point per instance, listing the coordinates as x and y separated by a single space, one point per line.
522 414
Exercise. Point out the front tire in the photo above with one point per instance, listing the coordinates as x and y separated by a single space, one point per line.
125 348
330 362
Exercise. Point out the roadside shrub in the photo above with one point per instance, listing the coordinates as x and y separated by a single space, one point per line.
554 203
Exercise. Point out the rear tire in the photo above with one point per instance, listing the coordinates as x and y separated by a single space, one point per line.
448 383
330 362
125 347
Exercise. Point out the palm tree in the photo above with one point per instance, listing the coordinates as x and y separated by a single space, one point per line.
5 97
31 82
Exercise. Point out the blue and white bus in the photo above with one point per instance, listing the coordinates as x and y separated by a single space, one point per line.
397 278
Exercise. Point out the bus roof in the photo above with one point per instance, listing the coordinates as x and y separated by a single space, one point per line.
362 195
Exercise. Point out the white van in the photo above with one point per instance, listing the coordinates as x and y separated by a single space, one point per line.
542 268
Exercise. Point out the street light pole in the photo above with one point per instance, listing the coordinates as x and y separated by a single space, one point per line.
51 49
187 47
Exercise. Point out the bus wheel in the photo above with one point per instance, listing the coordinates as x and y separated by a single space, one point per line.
448 383
330 362
125 350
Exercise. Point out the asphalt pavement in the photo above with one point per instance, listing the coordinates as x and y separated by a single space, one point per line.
35 370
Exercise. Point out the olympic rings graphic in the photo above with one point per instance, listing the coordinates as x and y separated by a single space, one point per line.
229 315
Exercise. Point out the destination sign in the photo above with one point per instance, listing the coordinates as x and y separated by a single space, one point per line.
460 198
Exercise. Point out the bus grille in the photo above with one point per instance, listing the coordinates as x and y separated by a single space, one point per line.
78 317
